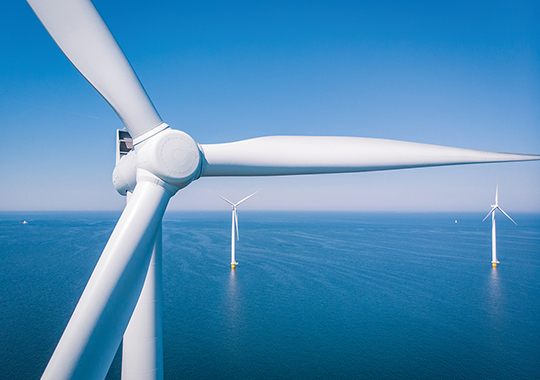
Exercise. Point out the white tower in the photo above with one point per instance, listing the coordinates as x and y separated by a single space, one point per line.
234 227
494 207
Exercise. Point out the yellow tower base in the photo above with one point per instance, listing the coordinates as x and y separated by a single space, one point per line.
494 264
233 265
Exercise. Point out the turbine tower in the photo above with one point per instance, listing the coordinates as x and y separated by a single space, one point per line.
494 207
163 161
234 228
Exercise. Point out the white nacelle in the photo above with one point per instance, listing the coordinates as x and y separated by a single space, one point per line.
125 173
171 155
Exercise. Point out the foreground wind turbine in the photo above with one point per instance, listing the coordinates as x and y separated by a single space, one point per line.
163 161
234 224
494 207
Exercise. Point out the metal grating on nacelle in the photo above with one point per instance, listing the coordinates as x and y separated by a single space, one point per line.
124 143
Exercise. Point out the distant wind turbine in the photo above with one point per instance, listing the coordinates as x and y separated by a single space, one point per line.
494 207
234 228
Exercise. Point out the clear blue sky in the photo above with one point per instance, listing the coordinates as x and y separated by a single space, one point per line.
461 73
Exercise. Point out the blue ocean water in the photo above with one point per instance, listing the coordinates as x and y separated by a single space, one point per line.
315 295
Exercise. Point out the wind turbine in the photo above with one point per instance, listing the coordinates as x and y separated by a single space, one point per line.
494 207
234 224
125 286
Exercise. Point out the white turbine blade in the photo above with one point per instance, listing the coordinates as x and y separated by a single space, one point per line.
78 29
94 332
492 209
497 194
288 155
236 222
142 343
508 216
225 199
246 198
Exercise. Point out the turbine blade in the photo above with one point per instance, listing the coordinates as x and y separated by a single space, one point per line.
492 209
94 332
289 155
79 31
225 199
508 216
497 194
246 198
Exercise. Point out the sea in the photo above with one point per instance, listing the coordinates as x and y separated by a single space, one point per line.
316 295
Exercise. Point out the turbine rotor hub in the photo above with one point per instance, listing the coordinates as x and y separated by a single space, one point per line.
170 155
